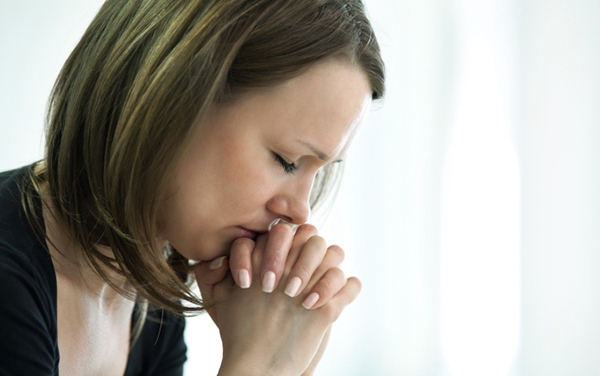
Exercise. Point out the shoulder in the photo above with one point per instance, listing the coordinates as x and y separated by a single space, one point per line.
27 294
26 274
27 290
24 259
28 334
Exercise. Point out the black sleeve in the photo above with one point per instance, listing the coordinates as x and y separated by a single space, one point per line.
160 350
28 334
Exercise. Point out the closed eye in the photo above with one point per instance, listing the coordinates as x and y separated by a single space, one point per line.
289 168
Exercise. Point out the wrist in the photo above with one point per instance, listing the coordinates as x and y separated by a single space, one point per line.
240 368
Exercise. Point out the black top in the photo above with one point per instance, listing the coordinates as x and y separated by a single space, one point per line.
28 334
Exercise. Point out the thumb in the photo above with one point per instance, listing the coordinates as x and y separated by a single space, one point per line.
208 273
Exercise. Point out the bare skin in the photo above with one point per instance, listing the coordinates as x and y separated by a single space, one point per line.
273 334
310 120
93 320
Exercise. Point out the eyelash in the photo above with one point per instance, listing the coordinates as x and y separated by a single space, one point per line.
289 168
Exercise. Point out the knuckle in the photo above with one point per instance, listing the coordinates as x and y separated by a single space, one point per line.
242 244
307 228
337 274
356 285
281 229
317 241
337 251
331 283
304 271
275 258
277 245
242 262
326 287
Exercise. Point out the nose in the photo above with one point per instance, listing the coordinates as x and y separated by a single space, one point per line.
291 203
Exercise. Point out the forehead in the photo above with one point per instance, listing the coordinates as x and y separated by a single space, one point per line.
321 108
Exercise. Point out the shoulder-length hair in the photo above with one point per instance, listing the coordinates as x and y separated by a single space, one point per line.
135 87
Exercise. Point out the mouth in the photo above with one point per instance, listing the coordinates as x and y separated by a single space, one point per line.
243 232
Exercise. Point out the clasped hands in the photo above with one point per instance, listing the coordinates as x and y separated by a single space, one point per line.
275 300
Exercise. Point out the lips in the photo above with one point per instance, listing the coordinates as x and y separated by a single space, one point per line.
243 232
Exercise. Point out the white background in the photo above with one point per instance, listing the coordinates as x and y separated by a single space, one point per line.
470 207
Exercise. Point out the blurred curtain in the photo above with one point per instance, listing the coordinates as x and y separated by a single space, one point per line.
472 198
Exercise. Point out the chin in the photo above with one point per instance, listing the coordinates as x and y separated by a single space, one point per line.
206 252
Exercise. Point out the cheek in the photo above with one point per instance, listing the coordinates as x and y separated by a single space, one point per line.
224 183
245 172
245 184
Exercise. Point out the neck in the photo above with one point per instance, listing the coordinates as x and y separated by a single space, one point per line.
68 256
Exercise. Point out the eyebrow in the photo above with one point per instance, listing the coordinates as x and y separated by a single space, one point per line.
322 156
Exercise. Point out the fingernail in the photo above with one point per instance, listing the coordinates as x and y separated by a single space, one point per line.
292 288
244 278
268 282
216 263
310 301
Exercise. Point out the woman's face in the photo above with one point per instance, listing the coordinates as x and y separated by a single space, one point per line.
254 159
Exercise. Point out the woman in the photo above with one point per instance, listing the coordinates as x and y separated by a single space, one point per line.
178 133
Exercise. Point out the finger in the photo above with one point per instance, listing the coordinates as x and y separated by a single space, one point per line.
211 272
240 261
345 296
213 294
331 283
312 255
206 279
301 236
275 254
222 289
257 254
333 258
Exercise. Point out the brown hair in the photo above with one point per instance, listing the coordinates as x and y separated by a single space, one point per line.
134 88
